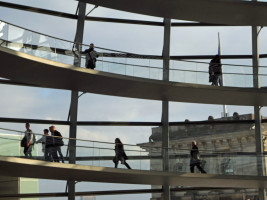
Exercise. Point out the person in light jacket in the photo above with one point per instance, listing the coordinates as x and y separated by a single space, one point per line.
29 141
42 140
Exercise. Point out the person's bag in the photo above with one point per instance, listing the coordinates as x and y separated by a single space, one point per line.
212 78
23 142
91 64
196 155
61 142
125 156
33 138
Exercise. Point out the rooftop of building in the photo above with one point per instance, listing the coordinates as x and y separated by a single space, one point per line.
192 130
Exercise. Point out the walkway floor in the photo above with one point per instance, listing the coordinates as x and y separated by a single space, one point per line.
29 69
20 167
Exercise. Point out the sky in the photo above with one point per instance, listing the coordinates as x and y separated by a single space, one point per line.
40 103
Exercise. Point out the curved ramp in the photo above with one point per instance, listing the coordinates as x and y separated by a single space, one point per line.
46 170
29 69
229 12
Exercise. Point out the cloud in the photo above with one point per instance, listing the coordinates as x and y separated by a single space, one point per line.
107 108
35 103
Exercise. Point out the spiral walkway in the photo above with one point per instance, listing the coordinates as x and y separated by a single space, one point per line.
230 12
25 68
47 170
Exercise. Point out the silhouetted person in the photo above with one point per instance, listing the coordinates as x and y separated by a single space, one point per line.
217 69
195 158
29 141
51 150
57 140
120 154
212 77
91 56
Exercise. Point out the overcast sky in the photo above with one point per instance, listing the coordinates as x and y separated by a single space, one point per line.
37 103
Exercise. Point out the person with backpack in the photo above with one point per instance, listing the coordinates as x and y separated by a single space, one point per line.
29 140
57 141
120 154
91 56
195 159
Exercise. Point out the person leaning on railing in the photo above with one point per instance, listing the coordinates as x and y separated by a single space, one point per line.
217 70
91 56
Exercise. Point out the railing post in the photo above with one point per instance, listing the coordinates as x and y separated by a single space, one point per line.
74 98
165 106
257 112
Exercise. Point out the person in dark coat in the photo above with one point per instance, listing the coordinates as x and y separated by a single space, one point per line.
212 77
57 140
51 154
217 70
91 56
195 159
120 154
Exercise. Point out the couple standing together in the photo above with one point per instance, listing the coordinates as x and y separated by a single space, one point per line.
51 145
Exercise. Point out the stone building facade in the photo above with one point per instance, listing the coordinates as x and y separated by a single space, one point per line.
224 149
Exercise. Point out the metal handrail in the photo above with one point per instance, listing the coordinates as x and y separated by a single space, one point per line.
139 146
60 38
128 64
118 50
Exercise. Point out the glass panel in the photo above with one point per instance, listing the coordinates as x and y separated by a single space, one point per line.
3 33
227 148
112 61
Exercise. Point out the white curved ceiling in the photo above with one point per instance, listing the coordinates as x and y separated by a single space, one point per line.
24 68
230 12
